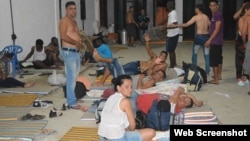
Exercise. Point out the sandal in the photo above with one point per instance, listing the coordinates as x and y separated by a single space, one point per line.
26 117
76 107
38 117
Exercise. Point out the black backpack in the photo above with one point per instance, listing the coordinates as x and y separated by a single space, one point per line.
194 77
159 115
80 90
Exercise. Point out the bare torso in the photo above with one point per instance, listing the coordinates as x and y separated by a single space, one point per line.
72 31
130 18
144 65
202 24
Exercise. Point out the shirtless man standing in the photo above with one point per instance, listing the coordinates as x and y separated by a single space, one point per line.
202 34
130 25
71 46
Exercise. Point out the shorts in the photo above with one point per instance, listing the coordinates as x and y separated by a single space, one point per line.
131 30
215 55
129 136
171 43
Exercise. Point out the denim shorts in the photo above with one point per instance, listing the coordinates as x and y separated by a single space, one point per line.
129 136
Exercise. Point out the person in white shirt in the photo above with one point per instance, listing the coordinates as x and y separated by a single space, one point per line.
117 118
172 33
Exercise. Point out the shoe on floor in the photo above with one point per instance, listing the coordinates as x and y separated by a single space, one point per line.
38 117
26 117
241 83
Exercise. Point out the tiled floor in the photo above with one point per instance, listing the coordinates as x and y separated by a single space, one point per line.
229 101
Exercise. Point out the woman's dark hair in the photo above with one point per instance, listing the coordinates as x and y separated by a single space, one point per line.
200 7
39 42
69 3
120 80
191 103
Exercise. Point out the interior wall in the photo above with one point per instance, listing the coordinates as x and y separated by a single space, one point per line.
33 19
111 9
92 15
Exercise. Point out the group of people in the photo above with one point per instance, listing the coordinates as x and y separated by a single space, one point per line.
118 119
45 57
132 24
209 36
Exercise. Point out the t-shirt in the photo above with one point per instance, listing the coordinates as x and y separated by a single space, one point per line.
104 51
143 20
172 18
218 39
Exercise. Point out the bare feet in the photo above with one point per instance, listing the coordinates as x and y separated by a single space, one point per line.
97 84
219 77
84 108
80 101
29 84
213 82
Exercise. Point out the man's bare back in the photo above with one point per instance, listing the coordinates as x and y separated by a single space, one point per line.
202 23
129 18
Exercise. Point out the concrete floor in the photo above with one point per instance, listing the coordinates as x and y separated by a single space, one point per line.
229 101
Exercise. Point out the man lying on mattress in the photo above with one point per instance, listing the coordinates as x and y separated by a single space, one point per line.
179 99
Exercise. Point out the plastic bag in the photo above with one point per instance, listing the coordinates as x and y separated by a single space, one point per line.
56 79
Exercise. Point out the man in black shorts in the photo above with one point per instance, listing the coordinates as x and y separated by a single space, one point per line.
215 41
131 26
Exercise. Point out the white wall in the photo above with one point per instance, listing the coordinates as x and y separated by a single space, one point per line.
92 14
179 10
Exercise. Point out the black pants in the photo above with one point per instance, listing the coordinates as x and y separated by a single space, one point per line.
11 83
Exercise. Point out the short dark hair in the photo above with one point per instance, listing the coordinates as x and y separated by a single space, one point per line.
191 103
120 80
39 42
97 42
164 52
170 5
200 7
215 1
69 3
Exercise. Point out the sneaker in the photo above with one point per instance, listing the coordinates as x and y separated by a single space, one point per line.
241 83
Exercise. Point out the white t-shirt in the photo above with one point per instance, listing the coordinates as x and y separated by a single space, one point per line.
113 119
172 18
40 56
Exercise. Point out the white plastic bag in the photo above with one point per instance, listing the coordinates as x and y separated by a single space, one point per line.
56 79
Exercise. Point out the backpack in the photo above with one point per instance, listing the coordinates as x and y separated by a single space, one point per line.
158 117
140 119
100 105
193 78
80 90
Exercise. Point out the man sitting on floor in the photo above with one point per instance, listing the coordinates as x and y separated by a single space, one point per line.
43 57
53 46
103 55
